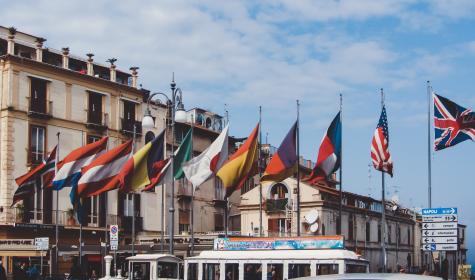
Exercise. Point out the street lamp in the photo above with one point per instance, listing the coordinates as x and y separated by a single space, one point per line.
178 115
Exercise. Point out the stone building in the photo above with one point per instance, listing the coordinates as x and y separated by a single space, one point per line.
45 92
361 220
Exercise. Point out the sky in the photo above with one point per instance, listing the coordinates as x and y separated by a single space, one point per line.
239 55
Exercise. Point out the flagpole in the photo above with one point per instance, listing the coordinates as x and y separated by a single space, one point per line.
259 163
383 213
429 160
192 195
133 198
298 168
80 221
57 207
341 166
162 223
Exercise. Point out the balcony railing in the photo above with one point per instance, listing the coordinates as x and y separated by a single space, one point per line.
276 205
127 127
18 215
40 112
97 123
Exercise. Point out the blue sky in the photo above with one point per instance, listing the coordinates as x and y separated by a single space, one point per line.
245 54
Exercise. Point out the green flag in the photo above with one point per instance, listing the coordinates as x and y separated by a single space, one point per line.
183 154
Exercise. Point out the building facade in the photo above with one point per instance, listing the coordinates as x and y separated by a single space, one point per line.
46 93
361 220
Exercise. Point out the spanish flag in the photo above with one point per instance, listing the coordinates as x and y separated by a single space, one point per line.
240 165
141 168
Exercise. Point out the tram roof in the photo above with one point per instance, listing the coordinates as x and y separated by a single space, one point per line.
154 257
278 254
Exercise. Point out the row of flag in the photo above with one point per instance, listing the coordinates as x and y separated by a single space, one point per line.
93 169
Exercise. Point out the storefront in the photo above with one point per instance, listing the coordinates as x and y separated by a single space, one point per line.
14 252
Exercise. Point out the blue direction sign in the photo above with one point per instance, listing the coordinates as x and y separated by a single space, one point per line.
439 211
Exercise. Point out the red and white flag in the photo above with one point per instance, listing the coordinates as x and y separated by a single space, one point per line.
200 168
101 175
380 146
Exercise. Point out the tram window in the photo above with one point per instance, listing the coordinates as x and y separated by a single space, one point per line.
275 271
140 271
299 270
355 268
252 271
192 271
325 269
167 270
211 271
231 271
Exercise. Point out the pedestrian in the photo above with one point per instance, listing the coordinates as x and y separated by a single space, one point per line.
75 272
3 274
93 275
33 272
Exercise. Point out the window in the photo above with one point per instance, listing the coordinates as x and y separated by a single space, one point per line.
140 271
167 270
248 185
218 222
323 229
128 117
379 233
389 234
355 268
218 189
231 271
275 271
38 95
192 271
92 138
398 235
368 231
37 144
325 269
350 228
210 271
408 236
279 191
299 270
183 228
128 212
92 210
94 112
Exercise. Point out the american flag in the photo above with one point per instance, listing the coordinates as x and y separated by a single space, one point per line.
380 146
452 122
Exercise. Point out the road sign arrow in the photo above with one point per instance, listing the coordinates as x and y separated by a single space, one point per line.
427 247
426 240
452 211
426 232
453 218
426 226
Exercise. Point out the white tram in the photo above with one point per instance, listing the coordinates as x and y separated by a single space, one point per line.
276 264
154 267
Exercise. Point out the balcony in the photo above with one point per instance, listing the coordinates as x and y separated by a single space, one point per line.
276 205
41 110
97 122
127 127
184 192
125 223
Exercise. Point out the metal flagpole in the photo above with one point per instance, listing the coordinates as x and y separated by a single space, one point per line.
192 230
298 168
226 213
259 167
162 226
341 166
133 199
383 213
57 208
80 243
429 161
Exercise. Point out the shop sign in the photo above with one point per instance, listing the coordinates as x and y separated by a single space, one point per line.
17 244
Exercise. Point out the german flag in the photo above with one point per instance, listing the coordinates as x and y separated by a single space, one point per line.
240 165
140 170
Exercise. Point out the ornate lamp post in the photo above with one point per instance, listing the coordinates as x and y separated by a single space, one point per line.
178 114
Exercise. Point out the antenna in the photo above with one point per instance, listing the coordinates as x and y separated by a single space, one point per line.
369 180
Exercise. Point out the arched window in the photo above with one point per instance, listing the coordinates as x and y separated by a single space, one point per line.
279 191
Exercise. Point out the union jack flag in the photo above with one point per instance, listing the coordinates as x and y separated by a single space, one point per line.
380 146
452 123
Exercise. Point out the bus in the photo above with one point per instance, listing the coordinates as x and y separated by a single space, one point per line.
273 259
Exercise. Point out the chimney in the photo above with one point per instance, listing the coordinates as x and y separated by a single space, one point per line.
65 52
113 73
90 66
11 41
39 49
134 76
